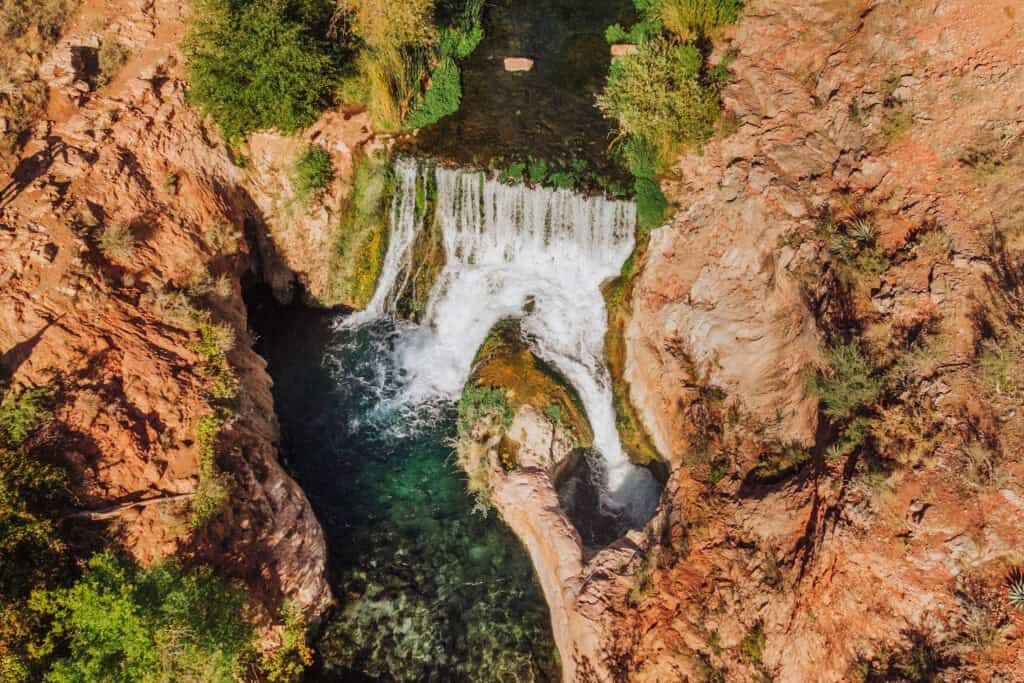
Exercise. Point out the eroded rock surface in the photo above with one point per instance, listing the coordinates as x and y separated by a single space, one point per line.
116 331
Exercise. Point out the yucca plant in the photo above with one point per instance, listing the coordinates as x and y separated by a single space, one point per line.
1015 589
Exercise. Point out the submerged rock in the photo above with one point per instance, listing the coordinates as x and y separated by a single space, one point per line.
518 64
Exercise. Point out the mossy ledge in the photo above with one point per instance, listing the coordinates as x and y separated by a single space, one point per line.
505 361
362 237
617 294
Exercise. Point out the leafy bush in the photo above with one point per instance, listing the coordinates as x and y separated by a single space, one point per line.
657 94
121 623
478 402
260 64
117 242
33 555
849 385
311 173
538 171
443 98
23 413
512 174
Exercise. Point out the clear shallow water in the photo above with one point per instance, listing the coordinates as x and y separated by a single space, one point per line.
428 589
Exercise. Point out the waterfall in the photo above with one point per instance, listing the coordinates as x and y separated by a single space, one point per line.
512 251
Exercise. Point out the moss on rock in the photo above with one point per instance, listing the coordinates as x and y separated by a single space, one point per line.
505 361
362 239
617 293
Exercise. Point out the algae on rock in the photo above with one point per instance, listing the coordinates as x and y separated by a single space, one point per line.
634 435
362 236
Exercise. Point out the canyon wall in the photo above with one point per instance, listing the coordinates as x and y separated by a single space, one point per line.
112 324
909 118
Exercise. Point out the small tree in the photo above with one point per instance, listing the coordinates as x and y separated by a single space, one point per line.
258 64
121 623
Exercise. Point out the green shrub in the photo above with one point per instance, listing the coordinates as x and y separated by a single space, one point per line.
478 402
657 94
311 173
651 205
512 174
849 386
111 56
286 662
443 98
640 157
553 412
212 490
691 19
121 623
260 64
117 242
23 413
538 171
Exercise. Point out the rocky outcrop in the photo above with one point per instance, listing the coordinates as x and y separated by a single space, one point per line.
301 241
908 117
583 593
112 323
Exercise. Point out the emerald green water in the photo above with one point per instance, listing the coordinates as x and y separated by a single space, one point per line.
429 590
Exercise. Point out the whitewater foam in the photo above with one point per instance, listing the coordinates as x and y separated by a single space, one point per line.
512 251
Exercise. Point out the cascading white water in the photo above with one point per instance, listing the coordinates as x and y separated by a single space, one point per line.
539 255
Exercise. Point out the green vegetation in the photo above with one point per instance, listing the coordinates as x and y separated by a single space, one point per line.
286 662
311 173
854 246
259 64
478 402
362 236
34 556
23 413
443 98
124 623
849 385
666 95
753 644
1001 368
117 242
693 19
214 343
659 94
111 56
1015 590
403 46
